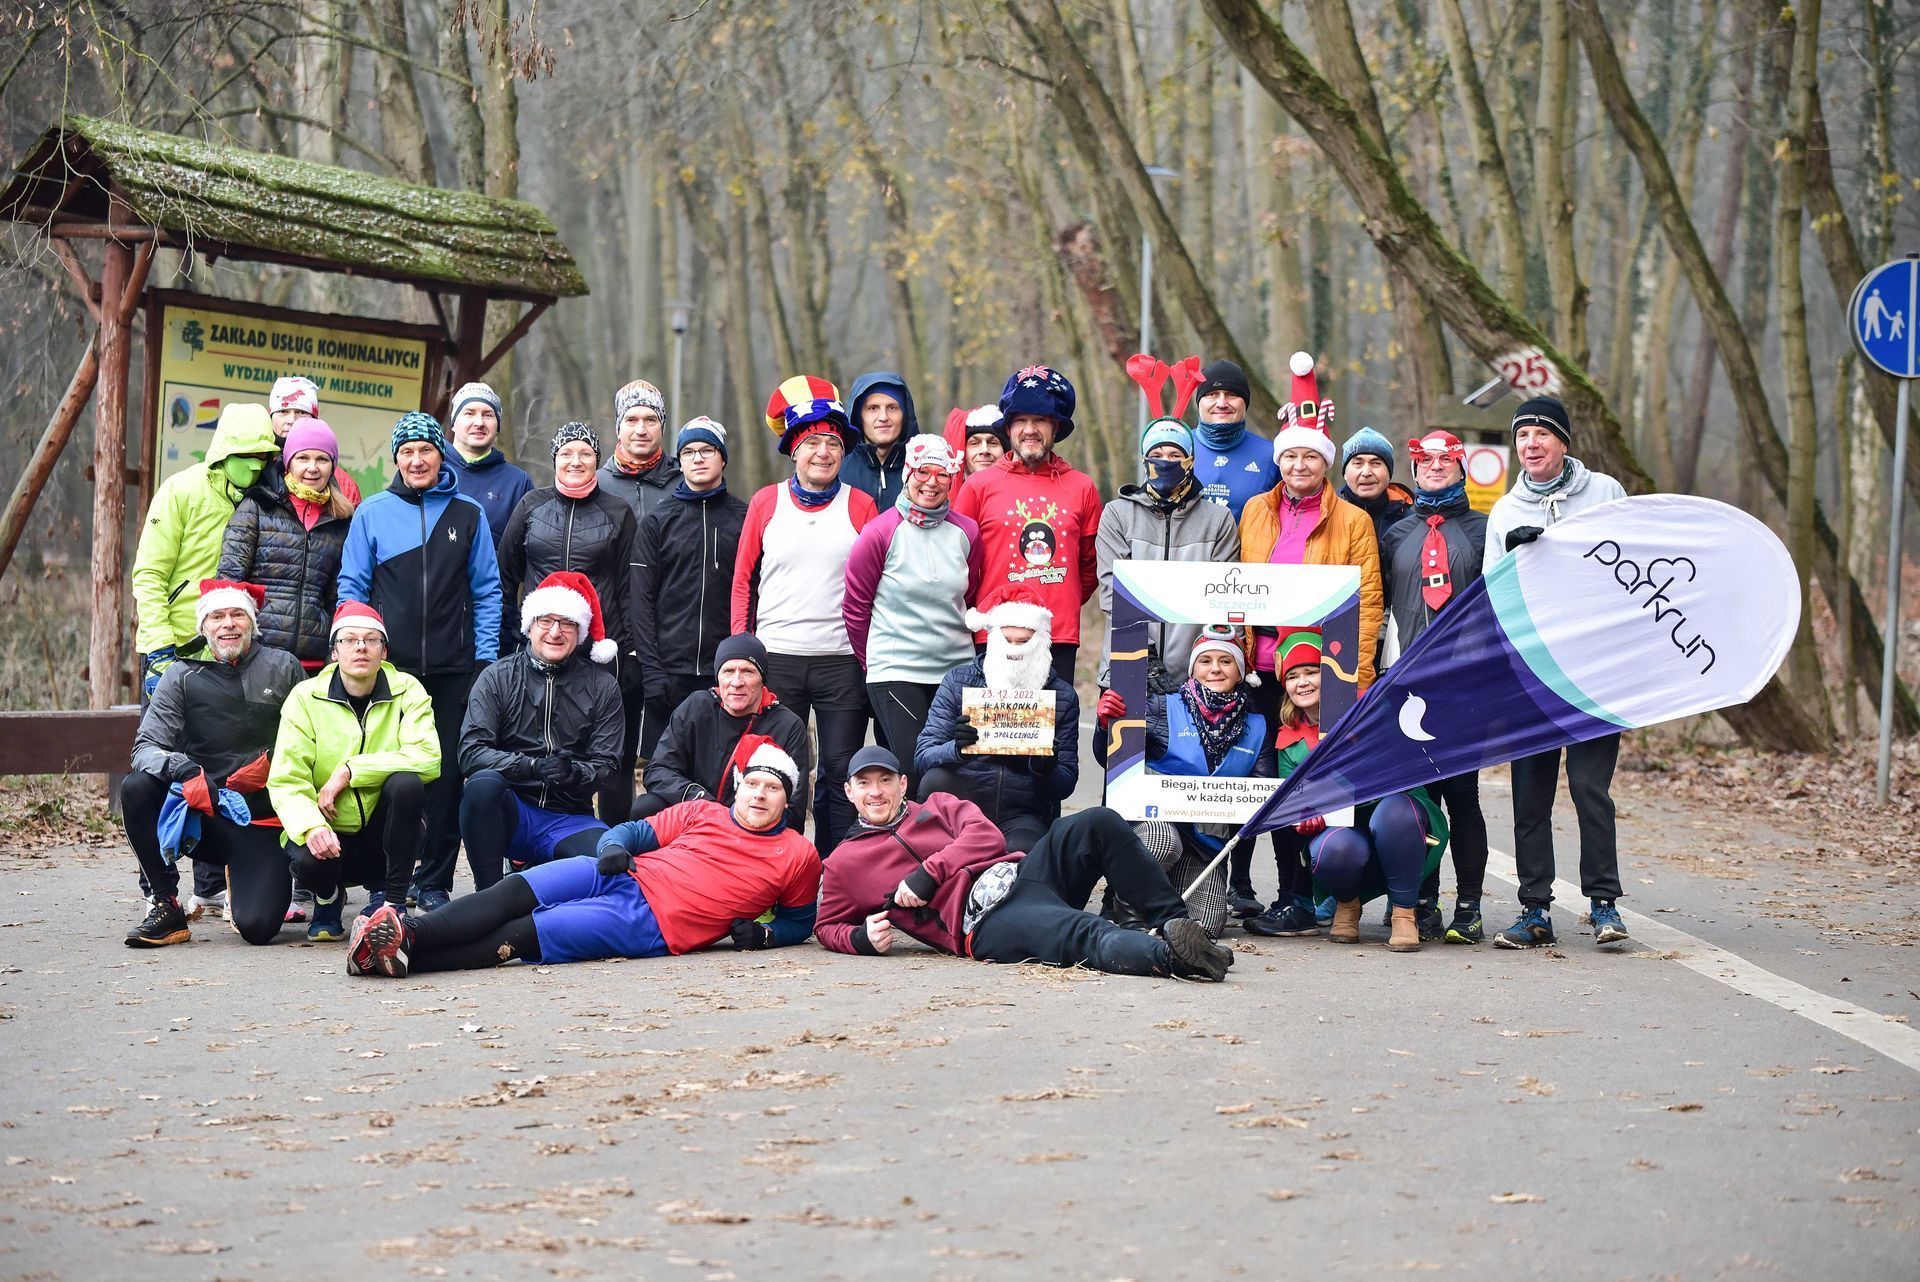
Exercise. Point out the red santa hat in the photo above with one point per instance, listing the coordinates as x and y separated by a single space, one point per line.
1219 638
1013 605
1305 418
226 594
355 614
769 758
570 595
1437 444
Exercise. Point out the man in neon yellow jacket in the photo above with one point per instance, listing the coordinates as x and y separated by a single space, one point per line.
355 752
180 542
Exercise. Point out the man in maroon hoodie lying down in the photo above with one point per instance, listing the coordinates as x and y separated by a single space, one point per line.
940 871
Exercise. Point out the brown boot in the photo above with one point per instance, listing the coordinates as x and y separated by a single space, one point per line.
1346 922
1406 936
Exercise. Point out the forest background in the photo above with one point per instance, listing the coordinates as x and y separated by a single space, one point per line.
1673 200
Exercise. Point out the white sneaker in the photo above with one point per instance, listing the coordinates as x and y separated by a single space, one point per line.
300 911
214 905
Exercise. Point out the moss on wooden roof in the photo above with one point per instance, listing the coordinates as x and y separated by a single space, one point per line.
322 215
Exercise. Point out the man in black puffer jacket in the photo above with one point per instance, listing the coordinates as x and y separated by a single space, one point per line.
577 524
542 734
713 733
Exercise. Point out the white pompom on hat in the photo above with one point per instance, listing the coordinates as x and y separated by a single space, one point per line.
770 759
570 595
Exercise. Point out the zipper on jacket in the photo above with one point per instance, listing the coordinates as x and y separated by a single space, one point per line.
566 548
361 718
548 733
424 552
700 623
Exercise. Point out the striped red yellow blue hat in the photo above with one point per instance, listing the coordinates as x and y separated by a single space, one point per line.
802 400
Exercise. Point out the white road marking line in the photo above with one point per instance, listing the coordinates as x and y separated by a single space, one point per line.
1898 1042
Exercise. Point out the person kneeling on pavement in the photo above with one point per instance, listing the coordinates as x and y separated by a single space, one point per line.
697 873
939 871
713 734
356 750
198 783
543 734
1022 794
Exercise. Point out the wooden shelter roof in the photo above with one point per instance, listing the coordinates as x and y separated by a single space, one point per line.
233 203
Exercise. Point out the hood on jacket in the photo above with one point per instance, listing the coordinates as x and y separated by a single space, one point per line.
875 381
491 459
1577 478
448 483
1147 499
244 428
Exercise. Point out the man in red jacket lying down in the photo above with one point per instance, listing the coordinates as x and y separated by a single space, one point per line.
940 871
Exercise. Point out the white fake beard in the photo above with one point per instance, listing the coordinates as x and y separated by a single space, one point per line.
1022 667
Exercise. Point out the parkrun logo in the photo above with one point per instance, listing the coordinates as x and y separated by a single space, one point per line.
1229 585
1635 580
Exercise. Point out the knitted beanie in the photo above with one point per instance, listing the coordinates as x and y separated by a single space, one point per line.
294 392
1222 639
571 432
418 425
1167 431
310 434
471 393
638 392
1544 411
1367 441
701 430
741 645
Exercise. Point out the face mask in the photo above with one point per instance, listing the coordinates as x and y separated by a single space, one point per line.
1165 475
242 470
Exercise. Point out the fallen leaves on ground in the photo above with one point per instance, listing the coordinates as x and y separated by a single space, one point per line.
694 1213
1515 1199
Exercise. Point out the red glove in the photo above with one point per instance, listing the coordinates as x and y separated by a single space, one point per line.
1111 708
1311 827
197 792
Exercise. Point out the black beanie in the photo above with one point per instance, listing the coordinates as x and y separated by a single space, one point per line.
1544 411
741 645
1224 376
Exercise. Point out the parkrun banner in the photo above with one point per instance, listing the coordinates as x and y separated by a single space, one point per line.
1635 612
1246 596
210 356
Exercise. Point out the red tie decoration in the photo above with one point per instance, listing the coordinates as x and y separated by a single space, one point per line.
1435 587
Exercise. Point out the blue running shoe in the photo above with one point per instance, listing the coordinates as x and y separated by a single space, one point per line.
325 928
1323 911
430 899
374 901
1607 926
1292 920
1532 929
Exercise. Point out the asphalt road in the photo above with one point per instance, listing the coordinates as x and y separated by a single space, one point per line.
1689 1107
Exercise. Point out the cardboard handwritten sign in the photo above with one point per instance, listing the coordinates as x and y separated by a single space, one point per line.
1012 723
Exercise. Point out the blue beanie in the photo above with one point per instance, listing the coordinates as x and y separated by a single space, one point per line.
1043 391
1166 431
701 430
418 425
1366 441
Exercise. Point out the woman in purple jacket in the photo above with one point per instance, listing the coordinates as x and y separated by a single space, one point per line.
912 574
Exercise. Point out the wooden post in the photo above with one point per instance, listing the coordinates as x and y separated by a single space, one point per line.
110 483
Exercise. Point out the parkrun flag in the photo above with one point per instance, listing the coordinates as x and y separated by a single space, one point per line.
1632 613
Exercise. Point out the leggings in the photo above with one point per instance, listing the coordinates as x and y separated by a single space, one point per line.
441 849
899 710
616 795
833 689
259 885
478 931
380 855
1392 846
1293 879
491 822
1020 829
1044 917
1466 839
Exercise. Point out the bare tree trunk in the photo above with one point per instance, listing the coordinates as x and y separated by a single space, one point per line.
1553 202
321 68
462 105
403 130
1743 372
1270 222
1197 152
1803 662
724 242
1844 410
1496 184
647 292
1078 248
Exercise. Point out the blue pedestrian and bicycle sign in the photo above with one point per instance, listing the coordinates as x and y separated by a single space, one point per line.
1883 316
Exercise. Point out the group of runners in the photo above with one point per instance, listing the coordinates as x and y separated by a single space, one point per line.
344 690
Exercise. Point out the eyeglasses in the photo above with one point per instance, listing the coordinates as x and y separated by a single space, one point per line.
359 641
699 453
930 472
554 623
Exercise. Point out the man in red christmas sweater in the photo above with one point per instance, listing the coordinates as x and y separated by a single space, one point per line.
940 872
1038 515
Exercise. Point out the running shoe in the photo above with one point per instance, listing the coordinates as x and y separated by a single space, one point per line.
1532 929
1465 928
166 923
1428 921
1284 921
1191 952
1607 926
214 905
429 899
359 960
374 900
1244 905
385 943
300 908
325 927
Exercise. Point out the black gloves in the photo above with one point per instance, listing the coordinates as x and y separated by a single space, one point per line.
750 935
614 862
1522 534
964 734
554 770
180 767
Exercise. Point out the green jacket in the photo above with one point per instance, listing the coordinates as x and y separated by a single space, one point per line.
318 731
180 543
1293 753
